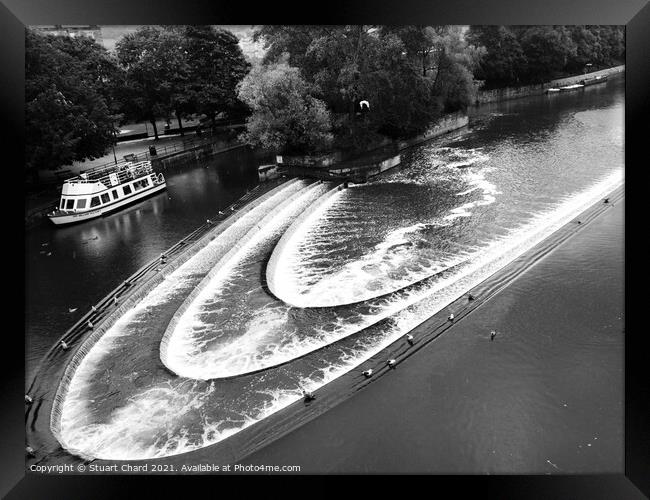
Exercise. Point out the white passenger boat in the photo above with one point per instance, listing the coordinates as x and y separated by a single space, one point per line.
105 189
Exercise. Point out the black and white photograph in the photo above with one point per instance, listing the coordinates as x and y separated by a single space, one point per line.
324 249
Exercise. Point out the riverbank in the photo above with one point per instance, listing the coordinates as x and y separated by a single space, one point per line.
380 158
507 93
401 421
170 152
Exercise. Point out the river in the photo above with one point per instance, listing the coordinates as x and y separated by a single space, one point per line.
370 264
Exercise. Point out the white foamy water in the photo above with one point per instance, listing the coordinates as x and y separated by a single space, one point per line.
365 278
150 422
259 347
188 351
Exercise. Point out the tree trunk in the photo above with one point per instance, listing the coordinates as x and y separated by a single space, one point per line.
180 124
155 129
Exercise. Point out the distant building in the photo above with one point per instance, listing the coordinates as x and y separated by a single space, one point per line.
73 30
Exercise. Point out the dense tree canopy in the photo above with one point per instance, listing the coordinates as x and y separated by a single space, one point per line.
408 74
518 55
307 90
67 85
77 92
286 118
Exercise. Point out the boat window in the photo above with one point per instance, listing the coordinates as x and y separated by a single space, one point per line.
139 185
106 198
70 204
127 190
114 194
81 203
62 203
94 201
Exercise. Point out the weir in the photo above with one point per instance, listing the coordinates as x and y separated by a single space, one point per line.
122 403
288 250
301 189
104 319
274 274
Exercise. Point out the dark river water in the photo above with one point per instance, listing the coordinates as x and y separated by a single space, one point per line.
352 271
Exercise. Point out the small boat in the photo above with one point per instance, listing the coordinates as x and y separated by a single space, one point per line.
104 189
568 88
552 90
594 80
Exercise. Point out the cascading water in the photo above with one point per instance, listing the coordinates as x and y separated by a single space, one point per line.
362 269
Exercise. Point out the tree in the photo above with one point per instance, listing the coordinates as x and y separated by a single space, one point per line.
285 116
548 49
67 117
504 62
216 66
397 69
156 72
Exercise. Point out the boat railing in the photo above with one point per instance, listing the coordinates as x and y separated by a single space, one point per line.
122 173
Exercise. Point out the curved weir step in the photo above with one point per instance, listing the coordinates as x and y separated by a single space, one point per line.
225 264
278 267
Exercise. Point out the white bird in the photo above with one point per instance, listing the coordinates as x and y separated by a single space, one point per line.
232 209
208 221
368 373
493 334
30 451
220 212
391 363
451 317
115 300
94 309
64 346
364 103
72 309
90 325
409 339
28 399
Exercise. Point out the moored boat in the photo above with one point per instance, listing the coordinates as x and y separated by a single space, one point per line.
594 80
105 189
568 88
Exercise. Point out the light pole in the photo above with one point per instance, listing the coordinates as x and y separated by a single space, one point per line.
114 141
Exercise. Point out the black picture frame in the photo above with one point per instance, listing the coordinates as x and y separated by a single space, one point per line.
16 14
